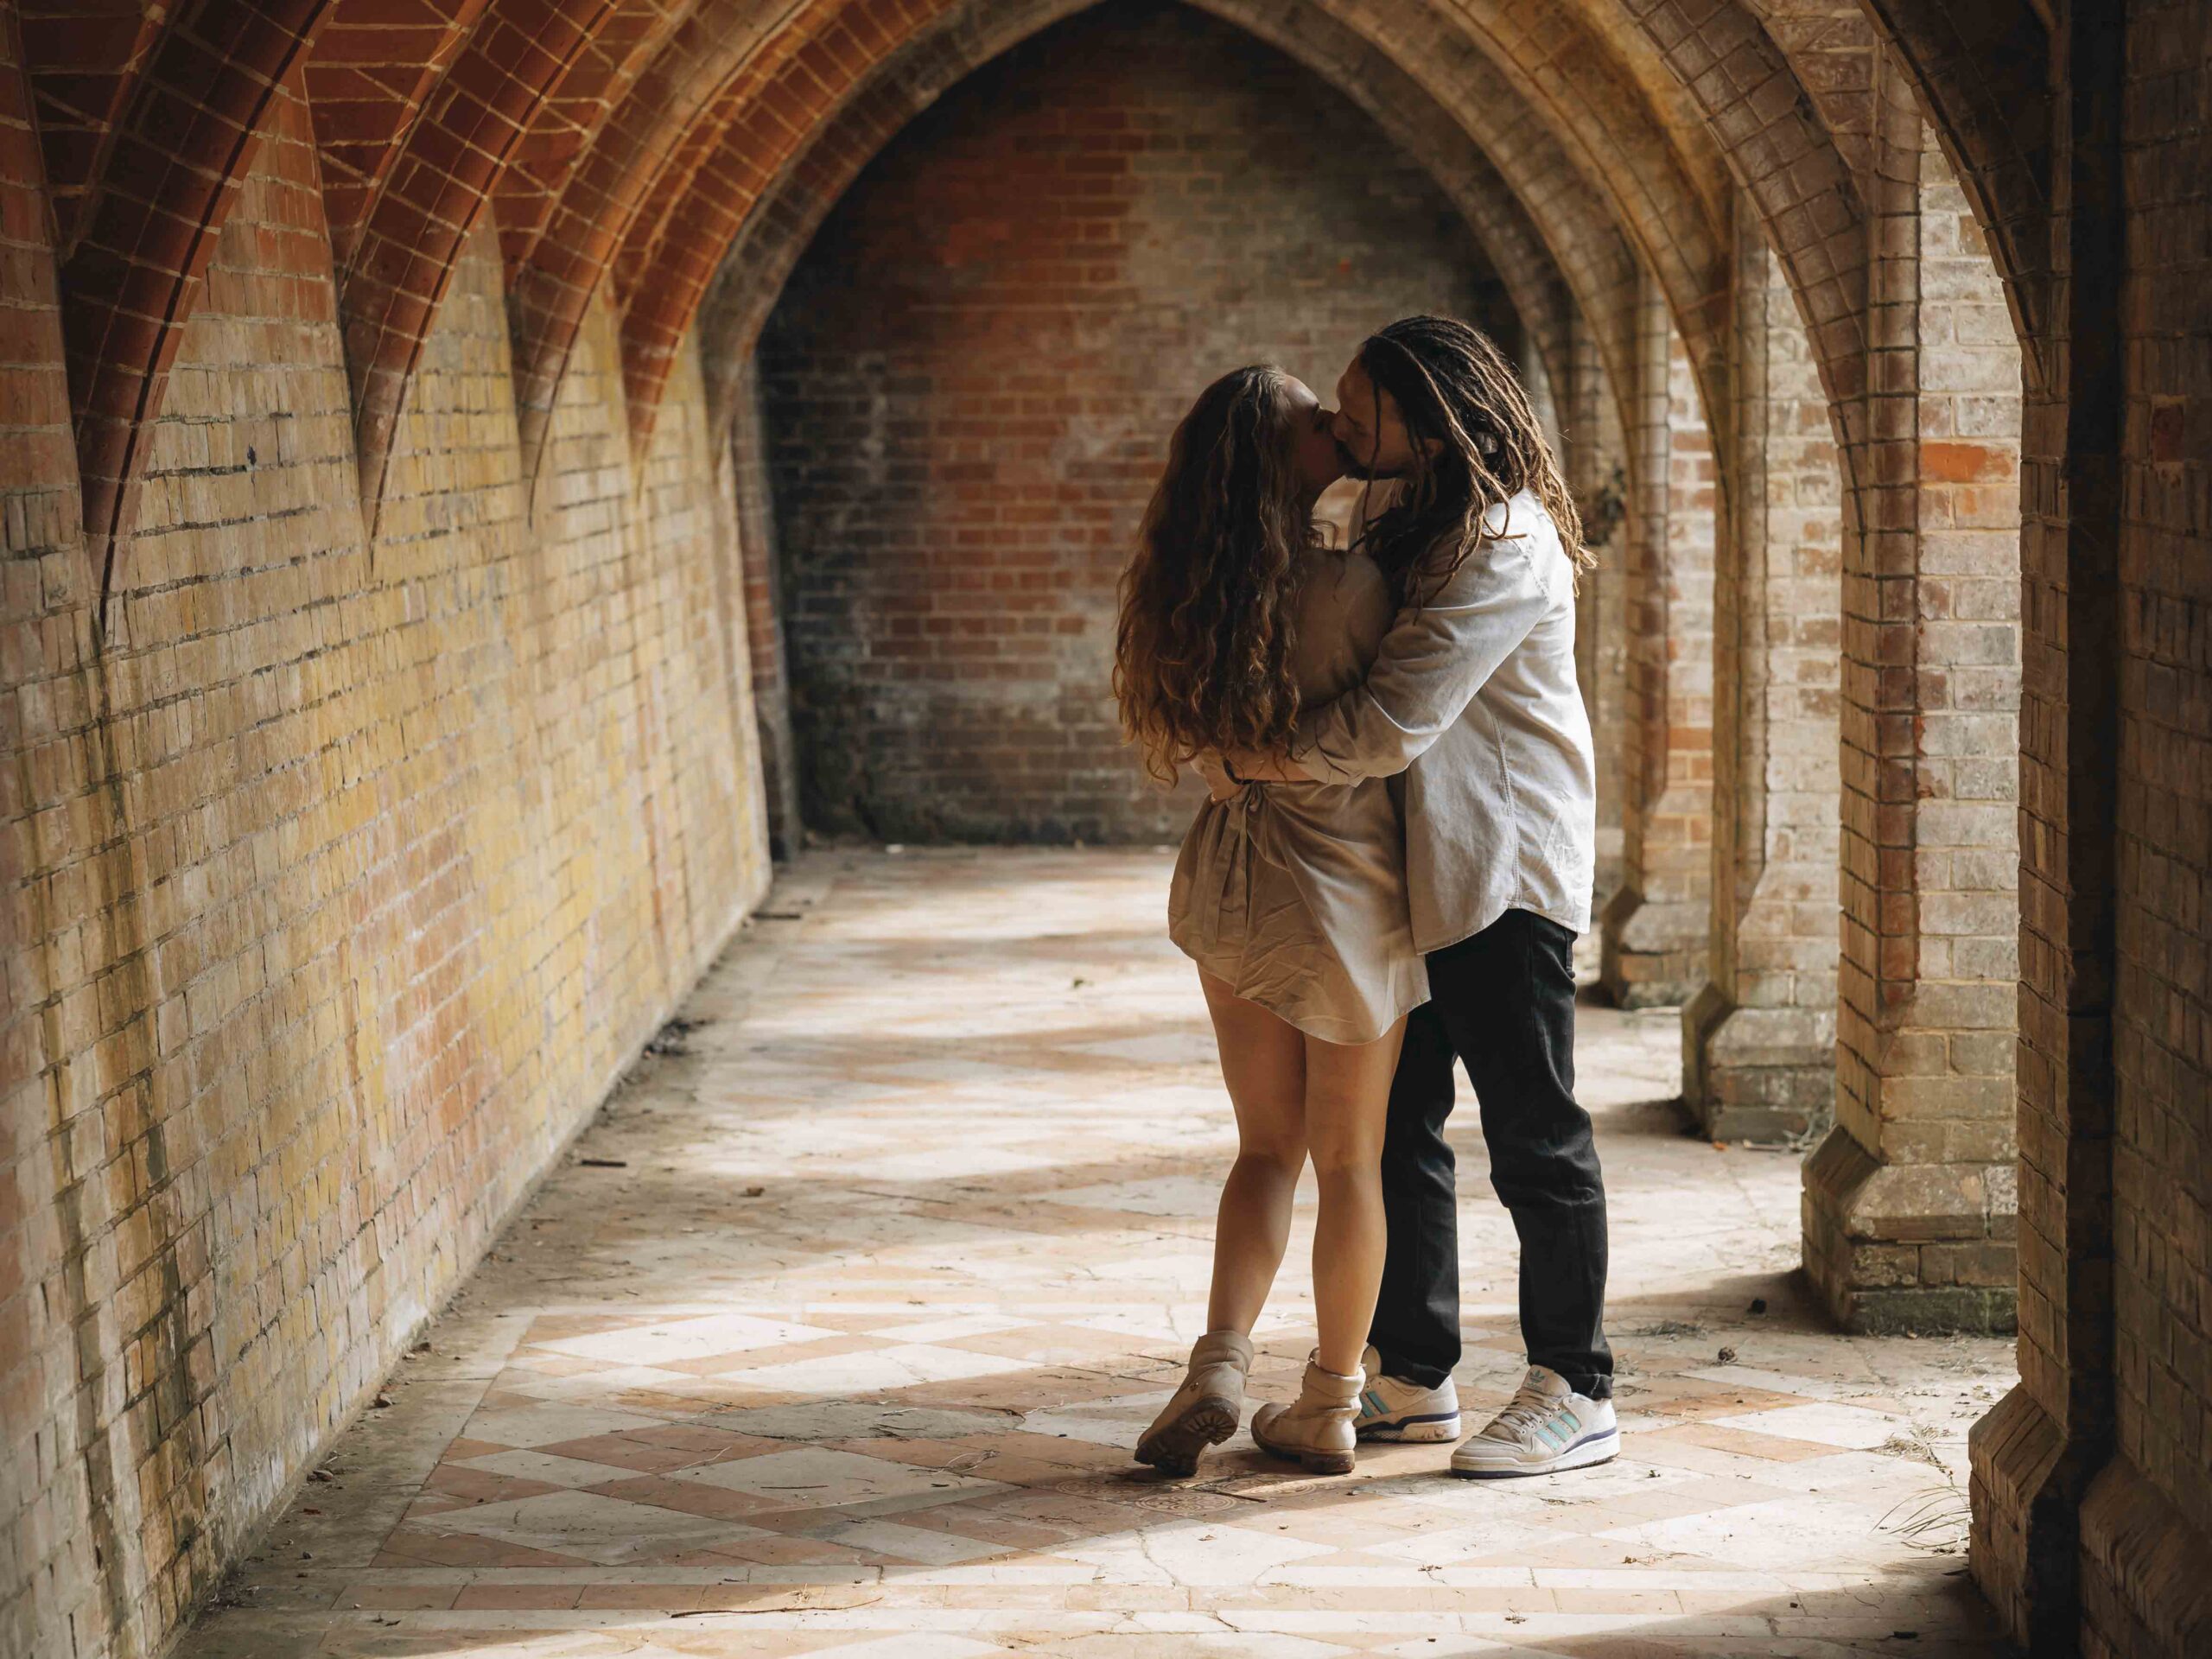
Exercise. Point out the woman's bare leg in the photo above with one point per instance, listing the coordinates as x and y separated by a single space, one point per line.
1263 1064
1347 1100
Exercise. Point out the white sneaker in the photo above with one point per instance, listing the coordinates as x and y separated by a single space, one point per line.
1391 1408
1544 1428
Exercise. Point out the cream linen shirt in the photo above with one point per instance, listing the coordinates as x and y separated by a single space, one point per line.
1474 698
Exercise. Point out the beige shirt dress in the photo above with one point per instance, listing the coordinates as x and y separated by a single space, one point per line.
1295 894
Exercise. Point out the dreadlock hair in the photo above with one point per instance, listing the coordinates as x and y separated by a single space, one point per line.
1453 386
1209 601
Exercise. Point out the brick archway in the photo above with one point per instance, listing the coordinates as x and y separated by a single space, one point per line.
1553 199
1546 290
153 170
1572 273
1631 162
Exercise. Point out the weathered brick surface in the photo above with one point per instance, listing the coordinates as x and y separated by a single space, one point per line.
2148 1566
2090 1526
158 184
1596 457
348 879
1657 926
339 876
55 818
1759 1040
968 385
1913 1187
430 196
753 499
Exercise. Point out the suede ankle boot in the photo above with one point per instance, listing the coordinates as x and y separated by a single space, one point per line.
1316 1429
1205 1409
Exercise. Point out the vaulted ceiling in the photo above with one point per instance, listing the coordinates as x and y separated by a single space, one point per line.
625 147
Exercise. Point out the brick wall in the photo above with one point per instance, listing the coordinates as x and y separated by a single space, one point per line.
971 382
340 887
56 855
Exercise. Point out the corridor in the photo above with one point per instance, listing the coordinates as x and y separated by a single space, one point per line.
831 1332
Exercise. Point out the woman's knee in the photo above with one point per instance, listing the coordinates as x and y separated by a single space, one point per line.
1343 1150
1274 1155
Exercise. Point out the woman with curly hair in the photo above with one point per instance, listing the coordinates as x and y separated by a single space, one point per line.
1290 896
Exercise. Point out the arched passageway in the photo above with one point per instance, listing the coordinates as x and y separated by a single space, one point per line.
964 389
399 666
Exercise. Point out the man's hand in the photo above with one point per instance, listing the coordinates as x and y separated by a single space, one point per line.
1254 768
1218 783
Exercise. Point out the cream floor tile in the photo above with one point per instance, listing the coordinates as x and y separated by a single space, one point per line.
912 1543
1852 1426
816 1478
583 1525
548 1424
884 1370
1192 1553
703 1338
553 1470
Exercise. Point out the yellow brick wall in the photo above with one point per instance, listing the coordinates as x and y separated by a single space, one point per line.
343 884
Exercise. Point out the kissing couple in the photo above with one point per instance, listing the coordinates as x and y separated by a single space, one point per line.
1389 875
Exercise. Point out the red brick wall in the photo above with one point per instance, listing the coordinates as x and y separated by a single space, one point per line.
970 385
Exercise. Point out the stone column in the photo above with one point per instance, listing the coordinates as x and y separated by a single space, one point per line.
1758 1040
1597 471
1655 928
763 620
2043 1450
1909 1202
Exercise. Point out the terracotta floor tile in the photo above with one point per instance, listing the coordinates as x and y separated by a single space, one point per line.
371 1596
515 1596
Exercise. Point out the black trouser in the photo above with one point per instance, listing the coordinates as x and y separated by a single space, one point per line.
1503 1003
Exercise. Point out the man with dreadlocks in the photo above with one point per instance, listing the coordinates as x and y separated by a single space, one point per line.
1473 705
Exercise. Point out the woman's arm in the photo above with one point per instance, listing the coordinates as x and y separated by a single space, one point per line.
1363 606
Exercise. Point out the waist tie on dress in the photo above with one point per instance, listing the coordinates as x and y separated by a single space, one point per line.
1241 822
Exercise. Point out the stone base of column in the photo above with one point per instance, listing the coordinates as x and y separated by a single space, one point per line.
2146 1572
779 783
1611 871
2078 1554
1654 953
1927 1247
2026 1486
1762 1075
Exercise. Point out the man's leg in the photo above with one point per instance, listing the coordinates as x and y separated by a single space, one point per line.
1416 1328
1506 1000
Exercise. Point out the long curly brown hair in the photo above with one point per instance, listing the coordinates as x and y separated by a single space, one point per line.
1209 602
1453 386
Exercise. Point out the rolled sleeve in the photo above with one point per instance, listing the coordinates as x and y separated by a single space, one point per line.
1431 665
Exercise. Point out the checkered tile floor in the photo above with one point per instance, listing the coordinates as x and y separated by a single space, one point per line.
907 1243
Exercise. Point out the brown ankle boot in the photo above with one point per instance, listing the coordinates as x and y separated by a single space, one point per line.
1316 1429
1205 1409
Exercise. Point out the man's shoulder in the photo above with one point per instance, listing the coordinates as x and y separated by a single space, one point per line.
1518 538
1526 526
1522 517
